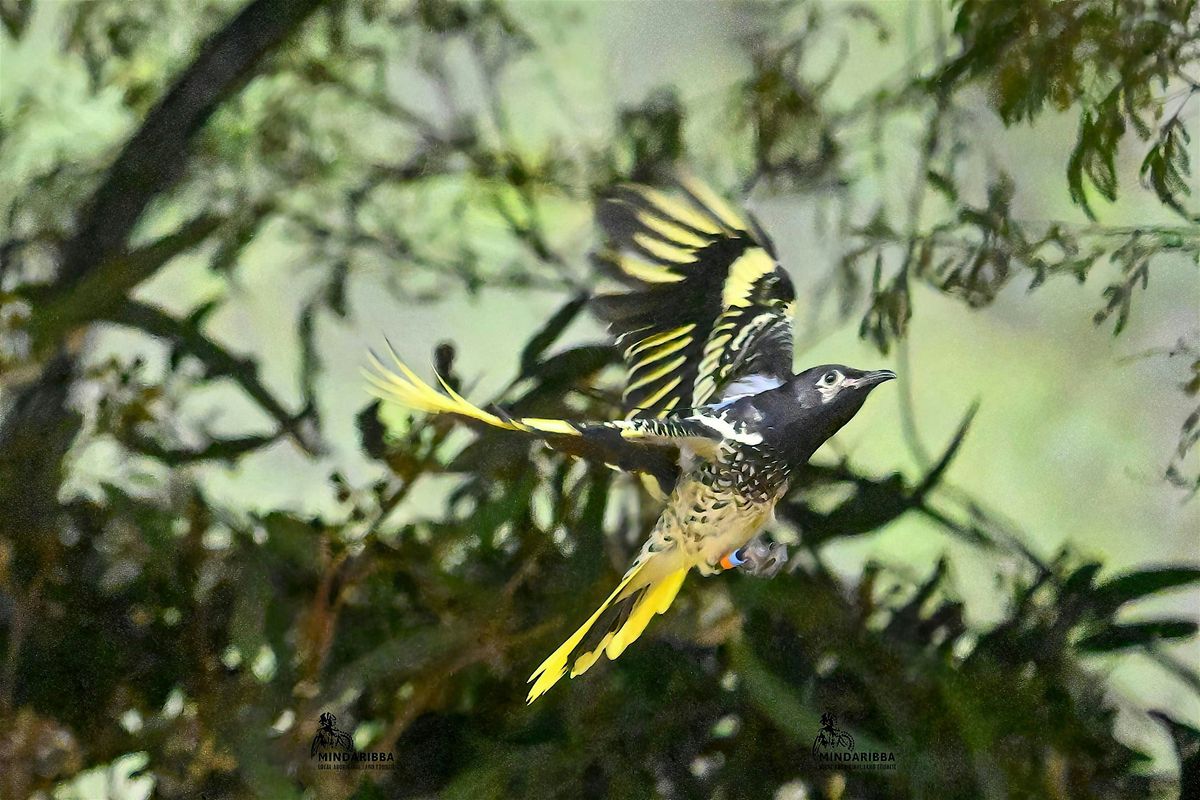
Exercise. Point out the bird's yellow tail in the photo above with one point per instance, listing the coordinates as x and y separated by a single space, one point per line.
406 389
618 622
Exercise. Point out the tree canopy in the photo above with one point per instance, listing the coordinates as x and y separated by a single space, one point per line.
181 168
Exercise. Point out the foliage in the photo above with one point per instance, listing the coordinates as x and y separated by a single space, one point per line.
1108 60
216 636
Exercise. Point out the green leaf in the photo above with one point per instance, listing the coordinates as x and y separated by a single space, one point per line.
1081 579
291 539
371 432
1119 637
944 184
549 334
369 790
561 370
402 657
780 701
1187 746
248 623
1126 588
774 697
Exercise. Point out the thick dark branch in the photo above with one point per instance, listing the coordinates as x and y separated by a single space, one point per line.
31 453
154 159
37 427
218 362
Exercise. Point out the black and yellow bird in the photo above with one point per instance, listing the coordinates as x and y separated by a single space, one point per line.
715 413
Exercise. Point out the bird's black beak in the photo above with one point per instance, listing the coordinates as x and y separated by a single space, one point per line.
876 377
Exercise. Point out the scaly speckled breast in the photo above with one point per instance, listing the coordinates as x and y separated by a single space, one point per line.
718 507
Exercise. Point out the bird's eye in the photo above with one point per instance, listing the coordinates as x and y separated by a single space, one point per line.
831 377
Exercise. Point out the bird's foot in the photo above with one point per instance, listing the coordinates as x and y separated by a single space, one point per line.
758 558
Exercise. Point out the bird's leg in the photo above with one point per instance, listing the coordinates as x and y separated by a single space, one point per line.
758 558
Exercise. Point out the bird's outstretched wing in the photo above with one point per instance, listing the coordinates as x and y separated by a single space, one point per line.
709 311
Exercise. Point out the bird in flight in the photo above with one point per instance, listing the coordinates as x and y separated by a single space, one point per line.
716 417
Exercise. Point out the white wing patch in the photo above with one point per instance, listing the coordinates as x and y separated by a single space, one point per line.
727 431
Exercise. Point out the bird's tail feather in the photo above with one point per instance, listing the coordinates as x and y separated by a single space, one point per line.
404 387
644 446
617 623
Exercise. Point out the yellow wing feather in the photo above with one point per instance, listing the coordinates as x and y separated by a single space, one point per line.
709 284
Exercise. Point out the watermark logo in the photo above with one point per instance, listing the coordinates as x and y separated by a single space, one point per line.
833 748
334 749
831 738
329 737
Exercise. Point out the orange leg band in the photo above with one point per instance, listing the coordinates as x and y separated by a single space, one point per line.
732 560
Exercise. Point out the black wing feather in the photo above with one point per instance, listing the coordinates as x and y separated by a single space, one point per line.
707 304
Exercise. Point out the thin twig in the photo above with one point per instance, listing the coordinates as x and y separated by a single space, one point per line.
219 362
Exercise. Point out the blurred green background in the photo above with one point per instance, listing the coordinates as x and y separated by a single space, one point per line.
424 172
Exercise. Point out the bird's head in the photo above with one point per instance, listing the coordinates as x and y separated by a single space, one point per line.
815 404
836 390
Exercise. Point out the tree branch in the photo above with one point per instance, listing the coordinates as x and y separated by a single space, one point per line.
154 159
219 362
37 426
104 286
214 449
